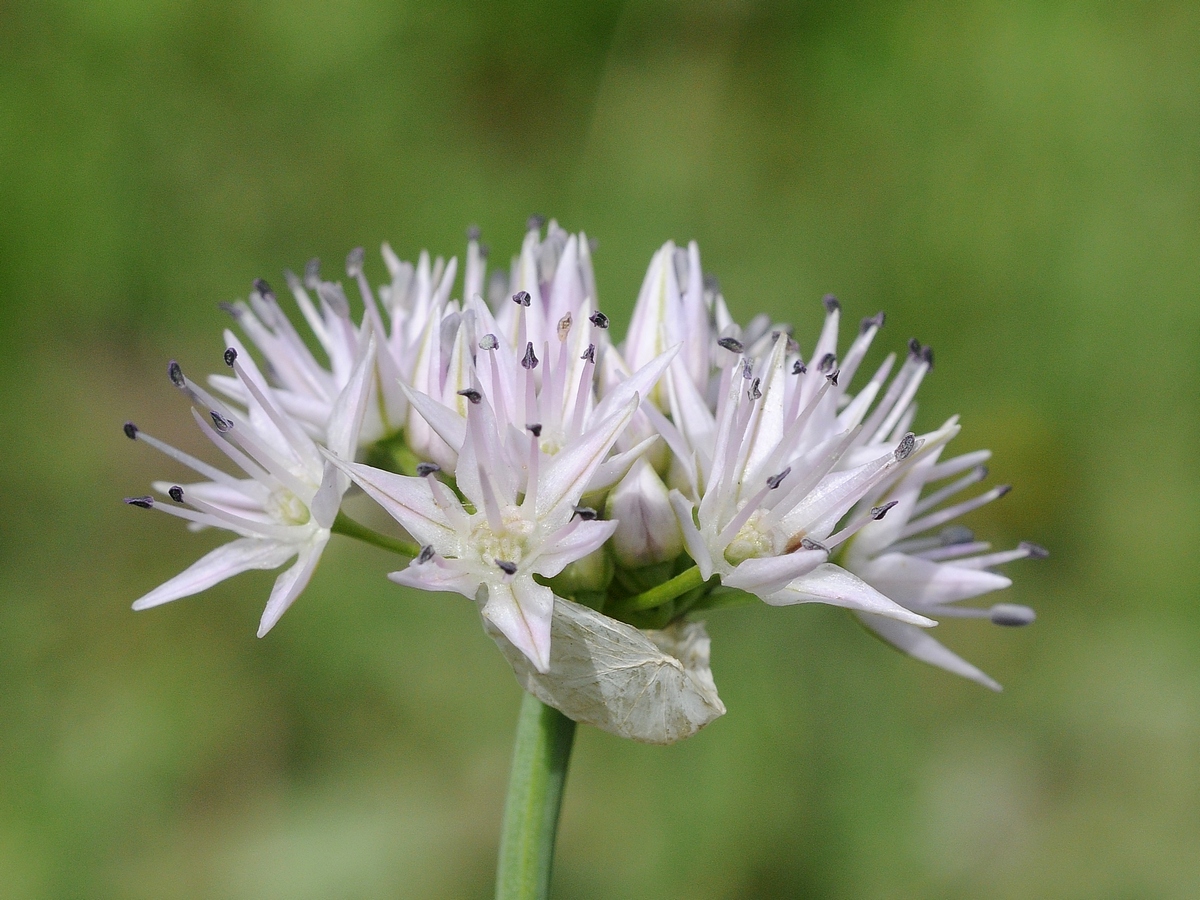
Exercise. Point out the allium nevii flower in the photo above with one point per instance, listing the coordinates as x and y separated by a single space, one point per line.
285 504
591 495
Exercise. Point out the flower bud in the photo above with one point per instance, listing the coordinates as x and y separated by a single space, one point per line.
648 532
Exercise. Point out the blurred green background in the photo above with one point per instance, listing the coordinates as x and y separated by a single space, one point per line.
1016 184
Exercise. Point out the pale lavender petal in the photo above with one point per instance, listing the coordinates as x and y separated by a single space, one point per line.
571 542
834 585
341 435
289 585
922 583
696 547
438 575
569 471
921 645
226 561
406 499
445 422
768 574
522 611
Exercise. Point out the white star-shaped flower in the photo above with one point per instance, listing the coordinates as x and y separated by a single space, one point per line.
503 535
285 505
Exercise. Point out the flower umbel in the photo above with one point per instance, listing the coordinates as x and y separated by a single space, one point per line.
590 495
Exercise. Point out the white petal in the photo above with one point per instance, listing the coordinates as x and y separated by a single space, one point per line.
289 585
445 422
692 539
834 585
521 611
562 481
571 542
341 435
921 645
439 575
406 499
617 466
922 583
768 574
226 561
328 498
653 687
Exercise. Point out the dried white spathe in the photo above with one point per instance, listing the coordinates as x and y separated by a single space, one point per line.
650 686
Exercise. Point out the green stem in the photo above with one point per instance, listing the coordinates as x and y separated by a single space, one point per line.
343 524
685 581
535 790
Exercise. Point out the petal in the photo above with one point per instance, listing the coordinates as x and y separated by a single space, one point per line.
521 611
226 561
571 542
922 583
445 422
406 499
921 645
562 481
768 574
692 539
439 574
834 585
654 687
341 434
289 585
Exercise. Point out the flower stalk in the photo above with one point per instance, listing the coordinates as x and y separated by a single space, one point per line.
535 790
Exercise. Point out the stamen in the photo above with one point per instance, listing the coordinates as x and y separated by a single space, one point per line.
471 394
473 233
733 345
828 361
1035 551
264 289
776 480
175 373
975 475
488 342
927 358
176 493
879 512
586 513
590 353
535 222
799 368
522 298
535 429
529 361
222 424
953 512
427 553
312 273
508 568
230 310
564 327
230 356
914 348
810 544
131 431
755 391
427 468
875 321
831 303
599 319
833 376
907 445
354 262
140 502
747 368
1010 615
